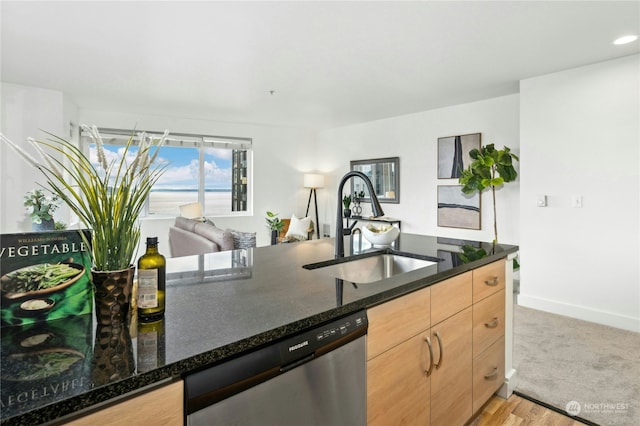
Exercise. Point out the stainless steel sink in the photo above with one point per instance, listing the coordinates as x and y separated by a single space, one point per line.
371 268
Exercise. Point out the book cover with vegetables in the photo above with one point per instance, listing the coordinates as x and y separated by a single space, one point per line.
44 276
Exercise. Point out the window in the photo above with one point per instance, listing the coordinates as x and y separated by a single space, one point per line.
212 170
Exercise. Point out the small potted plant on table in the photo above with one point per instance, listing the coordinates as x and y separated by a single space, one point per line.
346 202
275 225
40 208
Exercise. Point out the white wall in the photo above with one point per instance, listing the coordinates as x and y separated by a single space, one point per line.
414 138
26 112
580 134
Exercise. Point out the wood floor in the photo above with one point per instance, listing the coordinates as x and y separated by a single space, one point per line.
519 411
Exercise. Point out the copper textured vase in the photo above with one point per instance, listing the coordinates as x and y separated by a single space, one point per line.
112 293
112 354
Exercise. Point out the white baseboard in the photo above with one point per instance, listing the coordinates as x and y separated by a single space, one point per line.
580 312
509 385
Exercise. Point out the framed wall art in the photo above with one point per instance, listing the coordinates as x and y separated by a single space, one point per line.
453 154
458 210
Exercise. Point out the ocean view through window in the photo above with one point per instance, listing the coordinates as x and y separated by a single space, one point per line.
212 170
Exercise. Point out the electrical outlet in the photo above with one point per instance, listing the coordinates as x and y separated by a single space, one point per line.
326 230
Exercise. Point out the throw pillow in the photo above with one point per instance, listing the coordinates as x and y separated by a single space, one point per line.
298 228
243 240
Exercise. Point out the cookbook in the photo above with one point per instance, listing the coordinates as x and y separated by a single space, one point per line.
44 276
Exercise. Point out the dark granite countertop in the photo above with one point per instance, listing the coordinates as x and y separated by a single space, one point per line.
218 305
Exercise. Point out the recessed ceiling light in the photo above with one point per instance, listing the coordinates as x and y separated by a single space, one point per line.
626 39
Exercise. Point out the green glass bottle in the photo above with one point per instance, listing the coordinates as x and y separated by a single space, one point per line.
151 345
151 283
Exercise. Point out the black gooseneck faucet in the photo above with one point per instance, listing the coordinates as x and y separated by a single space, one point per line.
376 208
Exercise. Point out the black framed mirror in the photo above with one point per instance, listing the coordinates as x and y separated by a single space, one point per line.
385 177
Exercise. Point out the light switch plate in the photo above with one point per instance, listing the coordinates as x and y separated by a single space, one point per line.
576 201
542 201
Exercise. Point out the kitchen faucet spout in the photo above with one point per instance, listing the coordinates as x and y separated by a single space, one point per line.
376 209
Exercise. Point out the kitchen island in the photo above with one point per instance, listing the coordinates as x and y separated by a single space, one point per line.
219 305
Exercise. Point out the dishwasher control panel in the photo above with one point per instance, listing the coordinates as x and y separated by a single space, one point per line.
307 344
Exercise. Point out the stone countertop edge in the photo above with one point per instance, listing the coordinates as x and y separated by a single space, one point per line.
103 396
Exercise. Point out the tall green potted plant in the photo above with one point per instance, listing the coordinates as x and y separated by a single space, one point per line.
107 196
491 168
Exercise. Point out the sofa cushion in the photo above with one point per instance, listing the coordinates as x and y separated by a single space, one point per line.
185 243
221 237
186 224
243 240
190 224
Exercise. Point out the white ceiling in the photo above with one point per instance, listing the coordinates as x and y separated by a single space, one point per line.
328 63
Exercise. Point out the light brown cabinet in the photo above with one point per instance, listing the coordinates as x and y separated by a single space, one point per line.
161 406
488 331
488 322
397 387
397 359
488 279
488 373
422 363
451 379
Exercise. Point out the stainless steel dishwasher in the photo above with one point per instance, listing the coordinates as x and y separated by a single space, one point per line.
317 377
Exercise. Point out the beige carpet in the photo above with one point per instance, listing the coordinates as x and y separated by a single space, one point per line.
590 370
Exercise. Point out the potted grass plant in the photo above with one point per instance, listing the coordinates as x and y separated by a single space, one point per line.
107 196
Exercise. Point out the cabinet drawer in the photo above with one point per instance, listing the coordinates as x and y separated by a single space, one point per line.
487 280
488 322
450 297
488 373
395 321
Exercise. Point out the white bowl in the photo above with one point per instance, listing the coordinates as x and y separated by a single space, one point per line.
380 236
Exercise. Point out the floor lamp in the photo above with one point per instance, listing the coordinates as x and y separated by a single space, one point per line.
313 182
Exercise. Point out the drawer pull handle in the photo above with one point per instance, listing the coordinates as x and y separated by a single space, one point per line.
428 371
439 363
492 282
492 375
492 324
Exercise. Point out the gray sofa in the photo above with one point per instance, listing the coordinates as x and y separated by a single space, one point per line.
190 237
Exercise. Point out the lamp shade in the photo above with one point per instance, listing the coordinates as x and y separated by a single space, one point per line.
192 211
313 180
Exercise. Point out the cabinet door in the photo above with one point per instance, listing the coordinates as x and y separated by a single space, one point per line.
397 385
488 322
397 320
451 379
488 279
